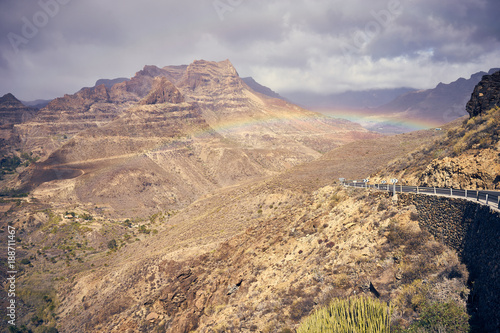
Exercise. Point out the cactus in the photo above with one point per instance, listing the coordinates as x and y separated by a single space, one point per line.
358 314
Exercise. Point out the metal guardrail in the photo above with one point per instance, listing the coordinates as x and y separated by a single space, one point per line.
486 197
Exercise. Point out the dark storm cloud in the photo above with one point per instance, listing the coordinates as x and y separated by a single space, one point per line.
319 45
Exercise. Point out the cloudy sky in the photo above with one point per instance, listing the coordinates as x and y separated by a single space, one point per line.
52 47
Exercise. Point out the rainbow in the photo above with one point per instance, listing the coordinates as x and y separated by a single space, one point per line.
225 126
368 117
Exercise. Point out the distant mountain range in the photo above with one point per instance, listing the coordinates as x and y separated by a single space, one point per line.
440 105
347 100
396 110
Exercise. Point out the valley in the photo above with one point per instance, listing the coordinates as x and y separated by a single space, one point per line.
182 200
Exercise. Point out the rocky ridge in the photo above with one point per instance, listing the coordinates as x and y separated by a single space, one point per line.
486 95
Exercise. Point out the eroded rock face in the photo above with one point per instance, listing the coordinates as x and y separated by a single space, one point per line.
486 95
163 91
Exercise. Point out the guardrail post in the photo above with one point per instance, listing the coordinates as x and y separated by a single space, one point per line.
417 189
487 198
451 192
434 189
477 195
465 193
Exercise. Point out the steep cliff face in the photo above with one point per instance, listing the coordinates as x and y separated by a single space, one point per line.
486 95
67 116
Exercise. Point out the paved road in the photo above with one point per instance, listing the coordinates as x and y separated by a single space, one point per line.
485 197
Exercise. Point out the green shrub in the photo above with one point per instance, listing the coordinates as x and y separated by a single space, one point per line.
358 314
144 230
112 244
25 261
442 317
86 217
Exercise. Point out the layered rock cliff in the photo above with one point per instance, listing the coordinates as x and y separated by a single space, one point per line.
12 112
486 95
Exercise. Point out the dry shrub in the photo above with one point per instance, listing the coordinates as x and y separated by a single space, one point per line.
301 308
383 205
341 281
407 235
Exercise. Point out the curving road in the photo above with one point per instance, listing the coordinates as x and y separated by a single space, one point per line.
484 197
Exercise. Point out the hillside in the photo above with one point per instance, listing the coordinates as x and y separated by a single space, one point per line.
349 100
393 111
215 268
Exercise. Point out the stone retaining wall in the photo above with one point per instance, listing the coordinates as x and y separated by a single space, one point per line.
473 230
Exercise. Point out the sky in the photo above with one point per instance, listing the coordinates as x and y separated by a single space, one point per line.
49 48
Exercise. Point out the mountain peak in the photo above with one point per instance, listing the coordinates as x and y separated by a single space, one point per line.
10 101
151 70
211 76
108 83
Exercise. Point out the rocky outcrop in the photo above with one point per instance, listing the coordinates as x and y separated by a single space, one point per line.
81 100
163 91
477 171
211 78
486 95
